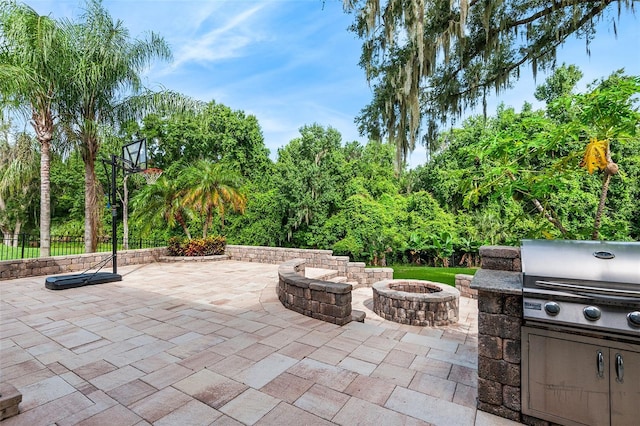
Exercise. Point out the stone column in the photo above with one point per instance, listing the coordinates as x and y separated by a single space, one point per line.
499 286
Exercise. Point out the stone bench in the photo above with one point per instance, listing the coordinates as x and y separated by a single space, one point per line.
324 300
10 399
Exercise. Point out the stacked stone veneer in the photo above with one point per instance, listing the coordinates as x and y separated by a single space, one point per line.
463 285
323 300
10 269
353 271
416 302
499 342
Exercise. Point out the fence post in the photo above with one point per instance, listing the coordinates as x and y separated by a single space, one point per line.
22 244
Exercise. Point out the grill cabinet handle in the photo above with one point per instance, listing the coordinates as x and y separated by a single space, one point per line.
600 364
619 369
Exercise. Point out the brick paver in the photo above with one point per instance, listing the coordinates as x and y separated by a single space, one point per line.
209 343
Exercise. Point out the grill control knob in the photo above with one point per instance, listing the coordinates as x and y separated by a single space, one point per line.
552 308
592 313
634 319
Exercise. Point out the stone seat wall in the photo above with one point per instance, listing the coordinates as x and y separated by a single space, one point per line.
463 284
323 300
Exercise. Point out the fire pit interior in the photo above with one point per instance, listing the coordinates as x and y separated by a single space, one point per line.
416 302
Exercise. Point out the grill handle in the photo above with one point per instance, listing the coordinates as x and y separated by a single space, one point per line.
619 368
600 364
587 289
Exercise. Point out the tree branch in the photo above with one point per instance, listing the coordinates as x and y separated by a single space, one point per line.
542 210
532 53
555 6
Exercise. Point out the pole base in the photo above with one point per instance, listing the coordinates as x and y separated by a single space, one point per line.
62 282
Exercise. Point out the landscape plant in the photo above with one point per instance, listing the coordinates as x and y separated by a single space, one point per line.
207 246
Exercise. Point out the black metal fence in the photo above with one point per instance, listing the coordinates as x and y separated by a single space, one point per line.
26 246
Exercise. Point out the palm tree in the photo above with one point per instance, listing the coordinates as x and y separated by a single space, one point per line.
212 187
19 175
106 90
32 72
160 204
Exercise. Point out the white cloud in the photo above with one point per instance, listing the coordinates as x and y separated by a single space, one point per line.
226 41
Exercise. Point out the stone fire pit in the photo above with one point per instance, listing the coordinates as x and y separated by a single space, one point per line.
416 302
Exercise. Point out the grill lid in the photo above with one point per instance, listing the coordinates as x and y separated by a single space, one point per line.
600 261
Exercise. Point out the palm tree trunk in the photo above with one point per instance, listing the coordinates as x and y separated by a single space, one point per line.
180 219
205 225
4 229
90 207
45 198
603 198
185 229
43 126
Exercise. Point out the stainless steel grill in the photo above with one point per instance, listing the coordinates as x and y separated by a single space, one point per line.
590 284
581 333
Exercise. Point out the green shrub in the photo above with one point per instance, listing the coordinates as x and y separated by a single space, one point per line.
208 246
175 246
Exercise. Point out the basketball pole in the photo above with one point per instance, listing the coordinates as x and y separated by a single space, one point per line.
114 216
130 163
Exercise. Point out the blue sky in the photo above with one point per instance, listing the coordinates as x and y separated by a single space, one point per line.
293 62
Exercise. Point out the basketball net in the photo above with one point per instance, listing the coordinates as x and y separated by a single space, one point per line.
151 175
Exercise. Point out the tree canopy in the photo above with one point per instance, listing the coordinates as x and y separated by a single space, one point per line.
515 174
428 60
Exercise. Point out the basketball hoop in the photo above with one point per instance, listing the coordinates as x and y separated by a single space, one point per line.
151 175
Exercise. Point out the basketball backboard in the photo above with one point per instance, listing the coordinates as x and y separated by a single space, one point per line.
135 156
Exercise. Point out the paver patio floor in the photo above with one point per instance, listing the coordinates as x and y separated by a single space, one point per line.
210 344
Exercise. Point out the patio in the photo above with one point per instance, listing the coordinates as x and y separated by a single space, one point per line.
209 343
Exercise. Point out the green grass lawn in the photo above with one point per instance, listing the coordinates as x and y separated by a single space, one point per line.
68 248
9 253
56 249
429 273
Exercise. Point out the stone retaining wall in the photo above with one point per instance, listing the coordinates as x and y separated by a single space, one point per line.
21 268
323 300
353 271
463 283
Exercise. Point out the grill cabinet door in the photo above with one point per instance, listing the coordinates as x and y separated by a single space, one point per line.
625 387
566 381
